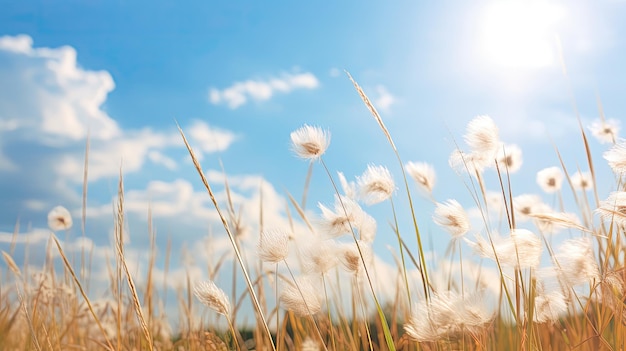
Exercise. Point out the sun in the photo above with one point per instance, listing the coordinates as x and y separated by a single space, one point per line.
520 34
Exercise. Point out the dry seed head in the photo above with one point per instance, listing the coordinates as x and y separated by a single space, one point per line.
320 257
575 262
301 297
349 188
616 157
273 245
309 345
423 174
310 142
376 184
452 217
351 258
213 297
582 181
59 218
550 179
482 136
548 307
526 205
509 158
605 131
345 215
471 163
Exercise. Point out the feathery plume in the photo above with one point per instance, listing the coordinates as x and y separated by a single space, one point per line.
376 184
301 297
522 249
273 245
59 218
617 157
549 306
482 136
351 259
452 217
509 158
472 163
576 263
349 188
347 215
605 130
550 179
614 208
582 181
310 142
213 297
423 174
527 204
445 314
550 222
320 257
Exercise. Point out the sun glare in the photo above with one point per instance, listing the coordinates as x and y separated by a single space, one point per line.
519 33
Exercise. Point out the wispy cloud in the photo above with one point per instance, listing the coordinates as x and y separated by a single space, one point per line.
383 99
240 93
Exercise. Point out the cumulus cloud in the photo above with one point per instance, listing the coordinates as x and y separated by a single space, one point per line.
49 105
50 93
239 93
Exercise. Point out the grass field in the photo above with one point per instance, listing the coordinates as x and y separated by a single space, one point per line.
576 302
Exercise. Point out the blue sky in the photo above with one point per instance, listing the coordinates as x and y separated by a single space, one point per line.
239 77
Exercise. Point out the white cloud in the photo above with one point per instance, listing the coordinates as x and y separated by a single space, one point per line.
383 99
51 94
158 158
239 93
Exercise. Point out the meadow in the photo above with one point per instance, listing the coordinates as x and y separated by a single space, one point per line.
531 294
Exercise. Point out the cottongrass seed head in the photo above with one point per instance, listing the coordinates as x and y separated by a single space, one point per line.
447 313
614 208
509 158
213 297
59 218
452 217
423 174
550 179
549 307
482 135
351 259
273 245
376 184
582 181
606 131
320 256
575 262
616 157
301 298
310 142
522 249
349 188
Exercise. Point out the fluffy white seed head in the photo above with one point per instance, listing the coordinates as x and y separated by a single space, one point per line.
522 249
452 217
582 181
376 184
606 131
549 307
614 208
213 297
309 345
59 218
575 262
310 142
351 259
526 205
346 215
273 245
472 162
482 136
301 297
616 157
423 174
550 179
349 188
321 256
509 158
